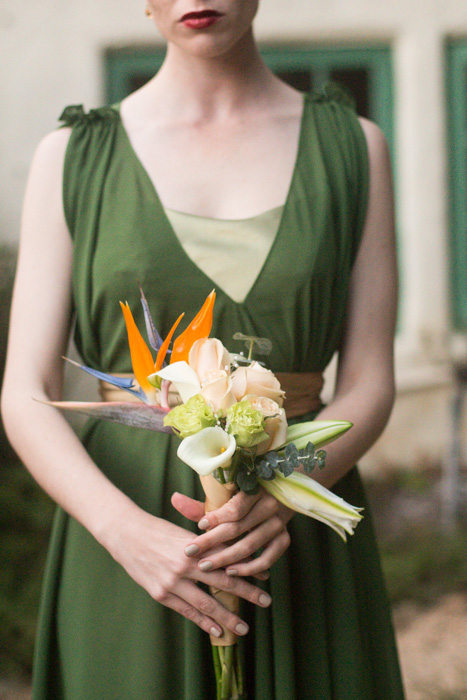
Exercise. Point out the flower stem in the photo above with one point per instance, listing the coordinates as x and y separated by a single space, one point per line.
227 669
217 670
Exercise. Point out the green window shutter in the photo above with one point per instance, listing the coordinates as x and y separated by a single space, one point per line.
127 69
457 137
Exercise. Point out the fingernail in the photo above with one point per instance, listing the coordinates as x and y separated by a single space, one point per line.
231 572
191 550
203 524
241 629
215 632
206 565
265 599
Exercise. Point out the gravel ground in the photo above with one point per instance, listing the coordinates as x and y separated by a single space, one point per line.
432 645
433 649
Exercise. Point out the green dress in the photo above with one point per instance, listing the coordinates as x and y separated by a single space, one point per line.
328 634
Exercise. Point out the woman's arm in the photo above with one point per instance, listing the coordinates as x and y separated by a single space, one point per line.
150 549
364 392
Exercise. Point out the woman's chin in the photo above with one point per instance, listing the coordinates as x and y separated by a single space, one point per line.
211 46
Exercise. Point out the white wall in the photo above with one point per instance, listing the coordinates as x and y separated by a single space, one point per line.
51 55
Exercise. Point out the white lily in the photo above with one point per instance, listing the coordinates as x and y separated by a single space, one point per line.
207 450
319 432
305 495
182 376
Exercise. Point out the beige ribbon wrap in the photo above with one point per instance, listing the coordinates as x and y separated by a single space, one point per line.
217 495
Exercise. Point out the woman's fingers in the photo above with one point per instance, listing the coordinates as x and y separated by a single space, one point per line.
185 608
235 509
258 567
188 507
203 609
261 575
264 508
208 613
238 586
245 547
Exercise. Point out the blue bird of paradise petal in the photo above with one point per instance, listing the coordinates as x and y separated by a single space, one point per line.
154 338
125 383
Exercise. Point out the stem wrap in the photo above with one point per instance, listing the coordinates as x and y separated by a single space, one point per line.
217 495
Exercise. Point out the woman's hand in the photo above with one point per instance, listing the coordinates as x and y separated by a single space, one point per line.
259 521
152 551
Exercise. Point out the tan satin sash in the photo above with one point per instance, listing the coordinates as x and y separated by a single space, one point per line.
302 392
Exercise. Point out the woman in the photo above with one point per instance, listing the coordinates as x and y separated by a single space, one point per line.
214 136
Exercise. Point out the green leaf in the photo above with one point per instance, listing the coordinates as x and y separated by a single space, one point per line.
247 481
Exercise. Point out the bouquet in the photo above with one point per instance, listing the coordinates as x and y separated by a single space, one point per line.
233 431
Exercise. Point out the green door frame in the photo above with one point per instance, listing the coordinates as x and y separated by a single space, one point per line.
456 78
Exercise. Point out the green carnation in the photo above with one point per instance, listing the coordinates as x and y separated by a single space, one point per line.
190 417
246 423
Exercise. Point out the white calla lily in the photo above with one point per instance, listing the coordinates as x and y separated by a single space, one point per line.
183 377
208 450
307 496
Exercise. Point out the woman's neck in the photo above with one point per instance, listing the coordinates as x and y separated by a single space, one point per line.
210 88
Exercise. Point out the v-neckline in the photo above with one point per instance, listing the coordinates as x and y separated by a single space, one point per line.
170 230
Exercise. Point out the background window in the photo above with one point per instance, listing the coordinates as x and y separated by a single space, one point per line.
457 135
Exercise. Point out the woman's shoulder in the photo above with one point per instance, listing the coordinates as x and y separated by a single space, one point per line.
375 139
53 147
51 150
379 156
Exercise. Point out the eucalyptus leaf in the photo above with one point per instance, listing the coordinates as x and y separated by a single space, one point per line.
247 481
265 471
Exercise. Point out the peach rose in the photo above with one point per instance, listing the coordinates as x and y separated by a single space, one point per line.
275 423
255 380
217 391
208 355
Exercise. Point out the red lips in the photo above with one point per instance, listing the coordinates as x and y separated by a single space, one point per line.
200 20
200 15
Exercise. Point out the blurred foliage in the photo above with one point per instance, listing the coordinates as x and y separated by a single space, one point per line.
425 565
7 272
25 520
420 561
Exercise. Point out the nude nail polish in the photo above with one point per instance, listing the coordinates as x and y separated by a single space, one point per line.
206 565
215 632
203 524
241 629
265 600
191 550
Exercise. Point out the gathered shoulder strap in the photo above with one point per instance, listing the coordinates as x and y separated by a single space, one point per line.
345 154
87 159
